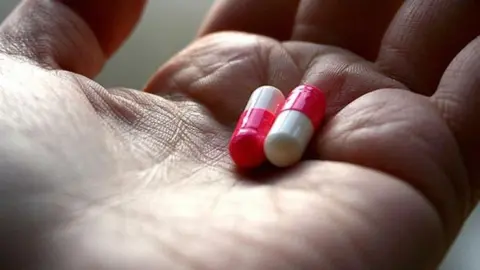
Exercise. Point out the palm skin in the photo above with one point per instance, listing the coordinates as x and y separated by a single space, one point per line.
124 179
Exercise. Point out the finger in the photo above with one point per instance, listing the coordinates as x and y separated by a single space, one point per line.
424 38
272 18
76 35
458 99
357 26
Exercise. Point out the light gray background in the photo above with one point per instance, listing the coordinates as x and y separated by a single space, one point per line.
167 26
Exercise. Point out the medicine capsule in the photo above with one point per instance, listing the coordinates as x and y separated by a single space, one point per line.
246 144
295 125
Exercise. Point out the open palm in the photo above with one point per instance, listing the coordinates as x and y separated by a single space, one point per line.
122 179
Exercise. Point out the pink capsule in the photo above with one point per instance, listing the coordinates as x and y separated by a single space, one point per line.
294 127
246 144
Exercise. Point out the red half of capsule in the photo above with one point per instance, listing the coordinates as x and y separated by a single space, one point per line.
308 100
246 145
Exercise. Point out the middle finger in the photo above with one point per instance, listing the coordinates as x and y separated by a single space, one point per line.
357 26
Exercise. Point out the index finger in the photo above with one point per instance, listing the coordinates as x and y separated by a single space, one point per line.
271 18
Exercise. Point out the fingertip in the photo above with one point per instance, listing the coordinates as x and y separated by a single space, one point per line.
73 35
111 20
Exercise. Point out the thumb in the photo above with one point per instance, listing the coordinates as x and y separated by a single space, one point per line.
76 35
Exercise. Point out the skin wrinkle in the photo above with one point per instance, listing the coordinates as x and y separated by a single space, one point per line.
324 197
183 173
274 74
448 101
205 74
268 250
406 62
445 205
151 116
461 80
125 109
140 118
211 73
356 252
303 63
87 206
189 239
148 228
315 60
173 85
354 189
175 255
196 174
460 175
340 76
227 242
292 60
445 103
217 151
108 105
263 53
461 185
189 138
141 127
263 245
450 228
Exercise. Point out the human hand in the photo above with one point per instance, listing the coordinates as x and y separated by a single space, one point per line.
122 179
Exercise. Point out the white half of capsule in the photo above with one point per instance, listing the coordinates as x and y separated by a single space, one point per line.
288 138
266 97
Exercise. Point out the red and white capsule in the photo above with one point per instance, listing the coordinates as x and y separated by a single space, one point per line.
246 144
295 125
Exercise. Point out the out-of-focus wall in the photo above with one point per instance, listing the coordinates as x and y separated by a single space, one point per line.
167 26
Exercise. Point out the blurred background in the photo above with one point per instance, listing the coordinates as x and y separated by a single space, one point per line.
168 26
